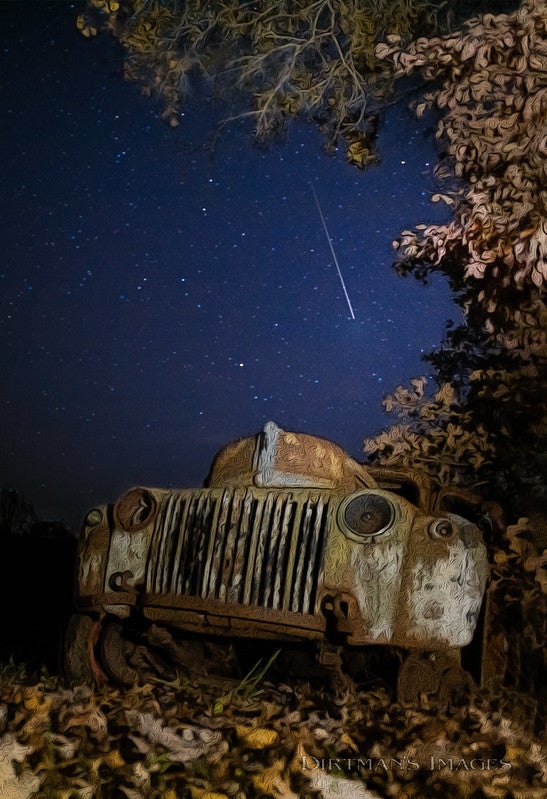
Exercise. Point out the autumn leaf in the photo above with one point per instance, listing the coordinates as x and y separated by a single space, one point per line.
257 738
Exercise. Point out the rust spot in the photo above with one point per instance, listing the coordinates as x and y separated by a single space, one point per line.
433 610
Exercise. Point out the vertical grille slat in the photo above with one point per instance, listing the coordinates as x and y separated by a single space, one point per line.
282 553
240 570
183 537
241 546
190 550
216 508
202 524
262 539
154 558
271 553
175 544
298 583
292 555
230 546
315 542
253 548
218 546
165 544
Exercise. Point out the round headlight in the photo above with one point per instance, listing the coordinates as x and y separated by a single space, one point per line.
441 530
367 515
135 509
94 517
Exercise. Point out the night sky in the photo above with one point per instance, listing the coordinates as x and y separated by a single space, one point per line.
159 300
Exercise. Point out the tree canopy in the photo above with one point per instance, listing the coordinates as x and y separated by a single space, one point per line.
315 58
489 84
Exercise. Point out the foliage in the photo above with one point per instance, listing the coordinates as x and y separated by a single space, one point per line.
152 742
248 686
513 650
434 436
315 58
489 87
490 438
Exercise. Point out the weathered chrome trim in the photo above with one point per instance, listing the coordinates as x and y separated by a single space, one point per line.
372 538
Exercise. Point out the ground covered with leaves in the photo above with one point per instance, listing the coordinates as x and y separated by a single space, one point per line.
212 739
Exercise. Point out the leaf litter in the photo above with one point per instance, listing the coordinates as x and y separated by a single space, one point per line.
197 739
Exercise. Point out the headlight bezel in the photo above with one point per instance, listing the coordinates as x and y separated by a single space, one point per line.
135 509
441 529
93 517
380 505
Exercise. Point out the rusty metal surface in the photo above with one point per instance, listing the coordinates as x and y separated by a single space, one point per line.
410 590
195 615
279 458
291 539
248 546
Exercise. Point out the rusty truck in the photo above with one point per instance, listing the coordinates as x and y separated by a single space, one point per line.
291 541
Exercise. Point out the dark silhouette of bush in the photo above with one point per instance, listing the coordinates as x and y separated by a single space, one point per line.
36 583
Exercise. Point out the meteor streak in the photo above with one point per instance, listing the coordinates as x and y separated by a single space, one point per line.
332 251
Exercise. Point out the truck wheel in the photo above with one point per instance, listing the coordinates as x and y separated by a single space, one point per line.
437 676
116 652
78 661
457 687
418 676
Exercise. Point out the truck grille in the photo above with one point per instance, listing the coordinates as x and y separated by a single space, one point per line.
241 545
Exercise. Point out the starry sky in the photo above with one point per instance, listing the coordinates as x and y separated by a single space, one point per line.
159 299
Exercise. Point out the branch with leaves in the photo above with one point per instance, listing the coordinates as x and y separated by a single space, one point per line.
490 86
435 435
314 58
